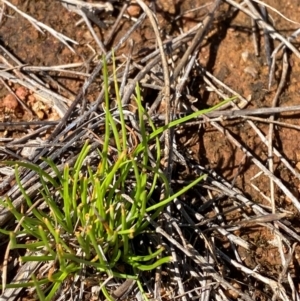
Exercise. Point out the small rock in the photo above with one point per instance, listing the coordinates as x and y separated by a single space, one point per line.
28 151
251 70
167 6
22 93
297 157
233 294
10 102
245 56
133 9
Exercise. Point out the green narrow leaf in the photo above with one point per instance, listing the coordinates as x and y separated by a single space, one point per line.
35 168
176 195
75 175
67 197
150 267
120 107
107 121
188 118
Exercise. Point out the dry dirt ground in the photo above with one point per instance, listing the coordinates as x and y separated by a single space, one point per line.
228 53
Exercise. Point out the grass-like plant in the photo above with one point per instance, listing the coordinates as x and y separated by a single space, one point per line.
93 213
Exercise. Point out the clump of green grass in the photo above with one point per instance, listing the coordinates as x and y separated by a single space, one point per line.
92 214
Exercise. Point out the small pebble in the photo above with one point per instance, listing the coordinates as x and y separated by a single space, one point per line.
245 56
133 9
251 70
28 151
10 102
22 93
233 294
